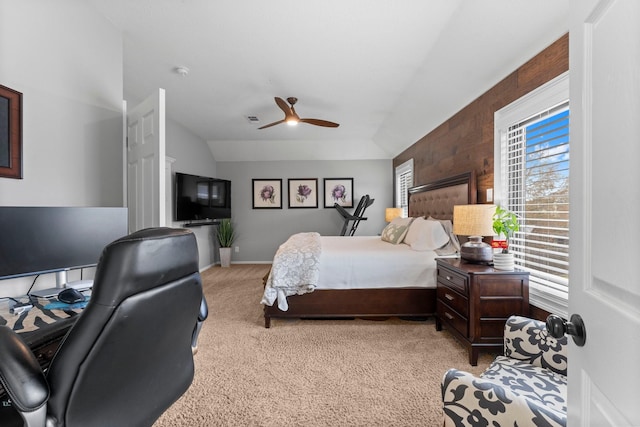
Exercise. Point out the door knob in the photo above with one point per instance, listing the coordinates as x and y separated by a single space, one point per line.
558 327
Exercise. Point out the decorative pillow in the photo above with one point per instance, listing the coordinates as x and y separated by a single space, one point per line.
453 245
426 235
396 230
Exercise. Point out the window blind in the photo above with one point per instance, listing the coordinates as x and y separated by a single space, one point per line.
404 181
535 159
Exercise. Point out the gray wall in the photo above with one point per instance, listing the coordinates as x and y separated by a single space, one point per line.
192 155
66 60
72 89
261 231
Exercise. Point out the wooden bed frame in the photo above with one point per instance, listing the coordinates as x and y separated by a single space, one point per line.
435 199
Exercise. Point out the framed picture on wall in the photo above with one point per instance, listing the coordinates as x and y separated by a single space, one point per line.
303 193
10 133
338 190
266 193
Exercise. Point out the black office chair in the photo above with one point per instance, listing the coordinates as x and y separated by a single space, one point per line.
129 356
356 217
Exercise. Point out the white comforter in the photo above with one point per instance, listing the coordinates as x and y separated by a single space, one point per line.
364 262
308 261
294 270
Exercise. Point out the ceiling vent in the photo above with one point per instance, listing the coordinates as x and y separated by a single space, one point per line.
253 119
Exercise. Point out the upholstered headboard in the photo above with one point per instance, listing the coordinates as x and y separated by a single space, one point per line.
437 198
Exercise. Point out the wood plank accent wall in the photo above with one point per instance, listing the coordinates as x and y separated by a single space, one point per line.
465 141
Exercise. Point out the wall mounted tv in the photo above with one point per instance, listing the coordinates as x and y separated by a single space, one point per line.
200 198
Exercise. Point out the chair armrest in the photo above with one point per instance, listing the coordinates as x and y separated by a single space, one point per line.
202 316
20 373
470 400
528 339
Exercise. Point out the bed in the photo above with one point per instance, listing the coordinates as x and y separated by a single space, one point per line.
413 295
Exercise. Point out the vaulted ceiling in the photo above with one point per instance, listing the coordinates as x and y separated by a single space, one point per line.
389 71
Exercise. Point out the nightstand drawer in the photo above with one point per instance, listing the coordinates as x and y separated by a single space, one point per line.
453 280
450 316
453 299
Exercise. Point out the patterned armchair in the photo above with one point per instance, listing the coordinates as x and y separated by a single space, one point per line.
525 387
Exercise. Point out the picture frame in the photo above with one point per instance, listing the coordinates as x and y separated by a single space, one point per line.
10 133
338 190
266 193
303 193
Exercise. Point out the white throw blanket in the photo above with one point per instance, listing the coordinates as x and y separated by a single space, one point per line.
295 269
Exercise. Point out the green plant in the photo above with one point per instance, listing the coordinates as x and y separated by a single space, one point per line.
505 223
225 233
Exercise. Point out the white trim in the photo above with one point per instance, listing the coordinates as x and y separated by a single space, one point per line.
552 93
399 171
548 299
549 94
404 167
125 169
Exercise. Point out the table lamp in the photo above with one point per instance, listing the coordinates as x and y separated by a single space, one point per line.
474 221
392 213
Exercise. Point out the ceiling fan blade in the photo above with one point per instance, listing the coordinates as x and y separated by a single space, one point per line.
272 124
283 105
319 122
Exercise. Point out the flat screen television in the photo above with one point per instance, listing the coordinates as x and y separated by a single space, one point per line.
201 198
38 240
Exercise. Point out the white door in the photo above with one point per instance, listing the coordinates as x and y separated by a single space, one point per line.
146 163
604 375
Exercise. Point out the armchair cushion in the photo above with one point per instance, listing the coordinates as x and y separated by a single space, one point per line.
528 339
525 387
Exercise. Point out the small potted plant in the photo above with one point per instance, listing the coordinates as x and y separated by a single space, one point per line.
505 223
225 235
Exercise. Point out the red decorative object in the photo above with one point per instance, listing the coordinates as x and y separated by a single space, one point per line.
499 244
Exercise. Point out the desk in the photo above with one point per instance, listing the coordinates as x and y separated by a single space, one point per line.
39 318
42 328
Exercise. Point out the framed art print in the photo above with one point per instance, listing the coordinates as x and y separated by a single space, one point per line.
267 193
303 193
338 190
10 133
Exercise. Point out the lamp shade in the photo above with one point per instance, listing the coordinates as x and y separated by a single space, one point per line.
473 220
391 213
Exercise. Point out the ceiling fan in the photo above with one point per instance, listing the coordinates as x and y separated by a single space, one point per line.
292 118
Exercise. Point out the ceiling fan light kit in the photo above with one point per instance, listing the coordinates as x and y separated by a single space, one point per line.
292 118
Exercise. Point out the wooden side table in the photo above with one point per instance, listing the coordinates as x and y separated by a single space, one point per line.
475 300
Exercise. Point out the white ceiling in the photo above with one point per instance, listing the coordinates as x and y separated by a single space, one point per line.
389 71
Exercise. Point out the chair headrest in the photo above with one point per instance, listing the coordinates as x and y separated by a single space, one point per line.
143 260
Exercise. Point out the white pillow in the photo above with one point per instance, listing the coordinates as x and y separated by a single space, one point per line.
396 230
426 235
453 246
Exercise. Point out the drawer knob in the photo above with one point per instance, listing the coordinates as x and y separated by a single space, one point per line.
449 297
448 316
449 277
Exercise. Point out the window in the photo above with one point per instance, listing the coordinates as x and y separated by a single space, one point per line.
532 180
404 181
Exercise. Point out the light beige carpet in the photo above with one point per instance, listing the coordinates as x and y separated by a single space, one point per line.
310 373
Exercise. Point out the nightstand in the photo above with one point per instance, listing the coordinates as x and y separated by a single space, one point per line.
475 300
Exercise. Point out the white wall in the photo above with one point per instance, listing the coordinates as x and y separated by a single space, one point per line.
67 61
261 231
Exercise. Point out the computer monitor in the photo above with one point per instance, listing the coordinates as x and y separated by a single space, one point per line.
37 240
